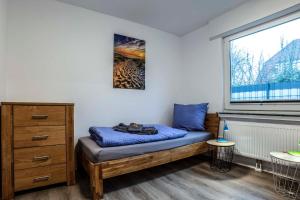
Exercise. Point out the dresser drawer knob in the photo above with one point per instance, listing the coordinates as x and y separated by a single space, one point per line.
40 158
39 137
39 116
40 179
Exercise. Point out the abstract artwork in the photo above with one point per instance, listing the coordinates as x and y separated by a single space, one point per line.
129 63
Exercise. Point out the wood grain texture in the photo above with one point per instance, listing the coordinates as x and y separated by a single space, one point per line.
131 164
96 181
37 103
188 151
39 156
212 123
42 135
122 166
6 152
24 115
187 179
220 144
53 135
71 179
39 176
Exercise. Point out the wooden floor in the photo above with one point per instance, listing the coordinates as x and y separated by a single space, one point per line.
189 179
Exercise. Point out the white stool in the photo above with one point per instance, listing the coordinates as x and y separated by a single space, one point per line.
286 174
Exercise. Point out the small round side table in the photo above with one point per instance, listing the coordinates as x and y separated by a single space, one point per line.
221 155
286 174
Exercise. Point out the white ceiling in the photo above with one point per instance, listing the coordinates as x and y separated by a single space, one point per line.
174 16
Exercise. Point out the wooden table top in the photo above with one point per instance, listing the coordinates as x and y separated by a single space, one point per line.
220 144
286 157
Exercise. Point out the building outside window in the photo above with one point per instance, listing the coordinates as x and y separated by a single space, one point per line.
263 64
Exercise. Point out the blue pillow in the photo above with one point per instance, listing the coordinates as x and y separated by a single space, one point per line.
190 117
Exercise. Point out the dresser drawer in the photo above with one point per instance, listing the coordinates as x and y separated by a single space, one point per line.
39 156
39 136
40 176
39 115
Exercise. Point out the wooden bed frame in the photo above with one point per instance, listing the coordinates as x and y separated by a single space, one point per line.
107 169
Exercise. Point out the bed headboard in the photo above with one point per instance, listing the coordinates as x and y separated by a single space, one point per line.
212 122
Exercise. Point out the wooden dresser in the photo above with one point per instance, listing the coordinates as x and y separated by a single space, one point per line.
37 145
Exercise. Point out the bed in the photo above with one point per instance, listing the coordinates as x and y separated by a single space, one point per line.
102 163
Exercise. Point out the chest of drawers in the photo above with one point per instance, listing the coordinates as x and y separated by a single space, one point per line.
37 145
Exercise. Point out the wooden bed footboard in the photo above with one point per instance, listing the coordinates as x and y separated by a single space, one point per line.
107 169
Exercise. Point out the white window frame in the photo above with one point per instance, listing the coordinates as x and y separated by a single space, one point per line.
254 106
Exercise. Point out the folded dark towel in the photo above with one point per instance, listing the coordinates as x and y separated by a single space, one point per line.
121 128
149 131
135 128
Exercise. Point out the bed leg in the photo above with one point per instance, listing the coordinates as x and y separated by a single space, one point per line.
96 182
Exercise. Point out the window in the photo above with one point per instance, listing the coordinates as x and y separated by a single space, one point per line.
263 64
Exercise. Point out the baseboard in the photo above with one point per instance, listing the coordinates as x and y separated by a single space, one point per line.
251 163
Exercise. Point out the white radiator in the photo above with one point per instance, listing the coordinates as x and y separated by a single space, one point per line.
257 140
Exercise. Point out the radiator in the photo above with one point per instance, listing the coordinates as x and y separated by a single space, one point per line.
257 140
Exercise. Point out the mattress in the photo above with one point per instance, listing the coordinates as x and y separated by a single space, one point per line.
98 154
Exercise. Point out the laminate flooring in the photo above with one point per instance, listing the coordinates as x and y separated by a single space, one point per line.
188 179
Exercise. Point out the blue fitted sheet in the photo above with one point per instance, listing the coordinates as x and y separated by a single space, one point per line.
107 137
98 154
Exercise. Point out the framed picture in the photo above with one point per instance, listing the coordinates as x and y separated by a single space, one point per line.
129 63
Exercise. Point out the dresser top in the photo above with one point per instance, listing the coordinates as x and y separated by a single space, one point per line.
37 103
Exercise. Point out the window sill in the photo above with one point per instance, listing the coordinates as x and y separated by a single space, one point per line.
261 117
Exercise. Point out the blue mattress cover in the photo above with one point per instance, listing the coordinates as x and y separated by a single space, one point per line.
98 154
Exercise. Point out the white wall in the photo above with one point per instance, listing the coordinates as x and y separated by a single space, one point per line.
58 52
2 47
203 59
62 53
247 13
202 70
